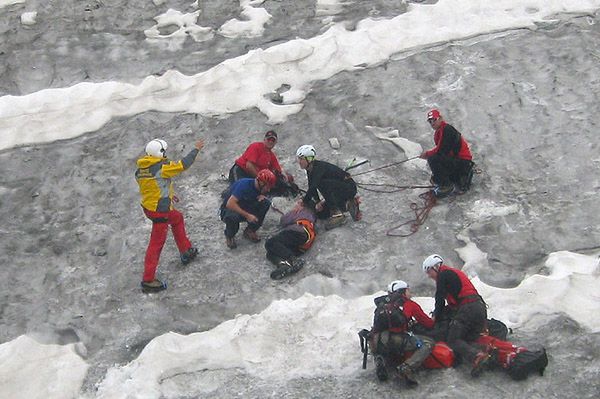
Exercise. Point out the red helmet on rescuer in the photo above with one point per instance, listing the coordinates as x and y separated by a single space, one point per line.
267 177
434 114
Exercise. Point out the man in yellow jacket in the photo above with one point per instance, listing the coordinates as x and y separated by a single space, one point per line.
153 176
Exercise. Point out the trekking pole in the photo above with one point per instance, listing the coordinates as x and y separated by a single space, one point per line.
364 346
386 166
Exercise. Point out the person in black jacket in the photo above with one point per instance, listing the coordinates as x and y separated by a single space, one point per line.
336 186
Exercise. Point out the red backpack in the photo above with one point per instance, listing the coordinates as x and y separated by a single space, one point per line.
441 356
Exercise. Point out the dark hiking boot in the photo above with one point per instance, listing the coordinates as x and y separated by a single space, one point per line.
380 368
465 180
153 286
251 235
336 220
189 255
480 363
297 264
286 268
406 372
230 242
442 191
353 208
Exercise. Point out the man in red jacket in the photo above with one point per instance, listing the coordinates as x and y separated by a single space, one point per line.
259 156
466 309
450 160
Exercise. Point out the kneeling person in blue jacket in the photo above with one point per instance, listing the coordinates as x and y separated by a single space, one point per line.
245 200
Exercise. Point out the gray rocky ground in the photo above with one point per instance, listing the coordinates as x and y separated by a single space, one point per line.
73 235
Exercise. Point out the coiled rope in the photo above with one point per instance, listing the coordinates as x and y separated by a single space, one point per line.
421 213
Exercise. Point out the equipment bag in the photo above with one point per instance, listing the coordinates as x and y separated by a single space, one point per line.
441 356
502 351
389 315
498 329
528 362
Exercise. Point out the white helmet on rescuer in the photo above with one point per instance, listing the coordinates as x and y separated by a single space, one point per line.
397 285
306 151
432 261
157 148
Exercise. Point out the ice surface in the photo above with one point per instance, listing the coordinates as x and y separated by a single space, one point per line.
29 369
519 79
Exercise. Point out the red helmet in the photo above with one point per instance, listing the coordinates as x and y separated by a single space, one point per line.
267 177
434 114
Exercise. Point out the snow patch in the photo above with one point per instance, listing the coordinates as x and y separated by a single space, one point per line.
484 209
186 27
253 23
315 336
32 370
28 18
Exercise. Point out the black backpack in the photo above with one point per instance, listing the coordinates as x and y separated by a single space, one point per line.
389 314
527 362
498 329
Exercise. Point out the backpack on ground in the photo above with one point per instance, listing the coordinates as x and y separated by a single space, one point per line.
528 362
518 361
503 352
498 329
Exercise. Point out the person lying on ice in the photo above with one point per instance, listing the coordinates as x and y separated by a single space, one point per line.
153 175
245 200
259 156
336 185
296 237
390 336
466 310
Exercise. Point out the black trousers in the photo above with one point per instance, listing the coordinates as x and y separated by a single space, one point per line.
285 245
465 327
448 170
236 173
335 193
233 219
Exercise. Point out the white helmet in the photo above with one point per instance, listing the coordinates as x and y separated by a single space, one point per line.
306 151
432 261
157 148
397 285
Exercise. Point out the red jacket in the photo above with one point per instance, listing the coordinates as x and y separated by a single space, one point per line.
454 286
260 156
413 309
445 138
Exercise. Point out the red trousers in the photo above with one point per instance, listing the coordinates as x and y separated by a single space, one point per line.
160 226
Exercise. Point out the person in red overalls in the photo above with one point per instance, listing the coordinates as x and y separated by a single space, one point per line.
153 176
466 309
450 160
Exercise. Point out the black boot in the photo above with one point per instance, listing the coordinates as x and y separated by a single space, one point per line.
188 255
155 285
406 372
287 267
380 368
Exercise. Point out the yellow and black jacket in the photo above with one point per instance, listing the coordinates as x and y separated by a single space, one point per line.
154 179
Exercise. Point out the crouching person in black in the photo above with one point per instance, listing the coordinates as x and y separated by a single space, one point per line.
391 341
336 186
296 237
